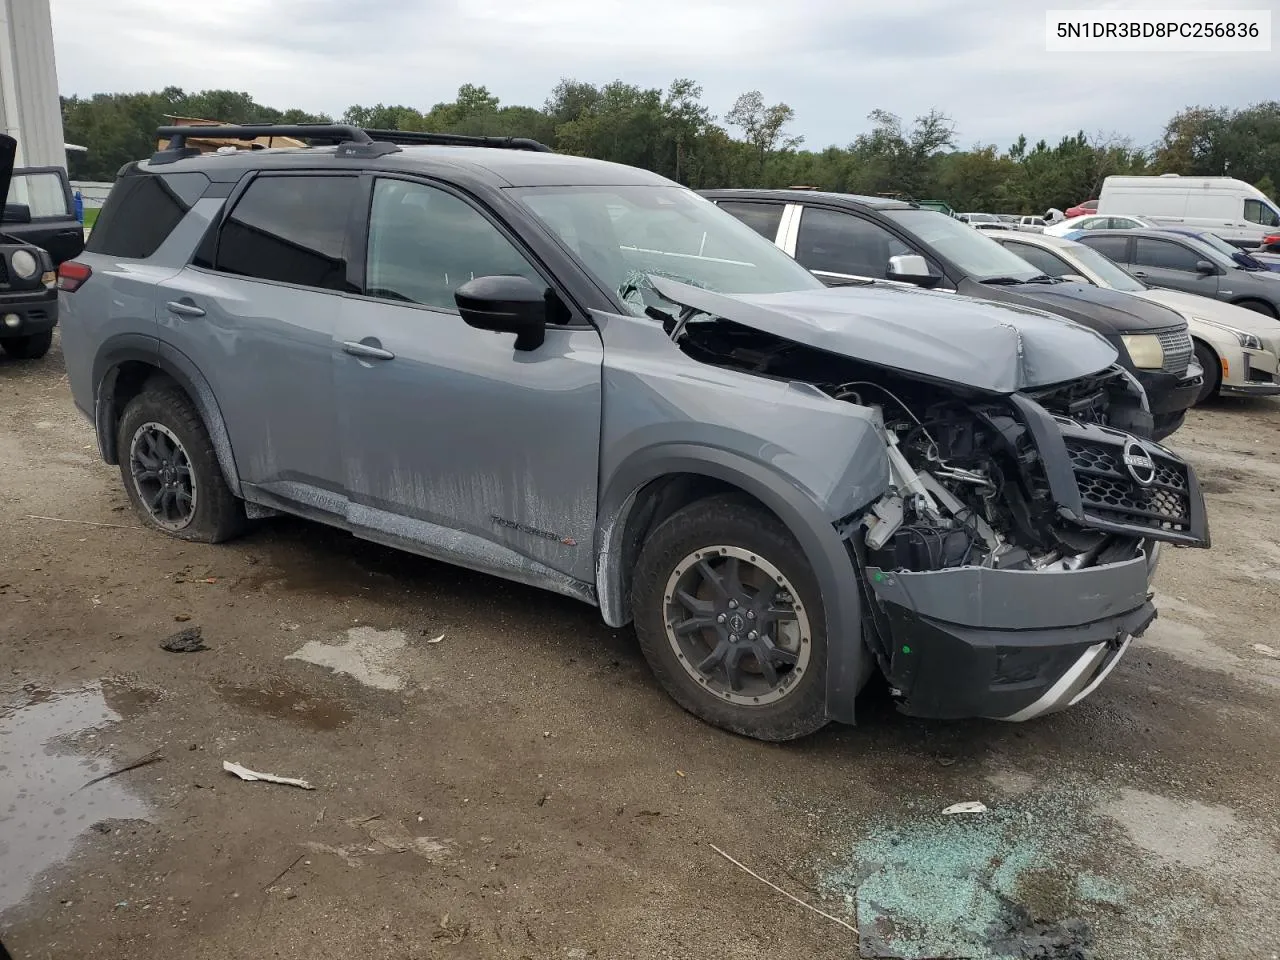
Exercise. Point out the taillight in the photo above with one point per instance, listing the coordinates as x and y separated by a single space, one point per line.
72 275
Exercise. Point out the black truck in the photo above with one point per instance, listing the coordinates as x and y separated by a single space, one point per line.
28 283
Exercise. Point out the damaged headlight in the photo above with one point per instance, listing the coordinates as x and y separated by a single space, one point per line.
1244 338
1144 350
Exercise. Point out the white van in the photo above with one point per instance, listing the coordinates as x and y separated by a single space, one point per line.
1233 209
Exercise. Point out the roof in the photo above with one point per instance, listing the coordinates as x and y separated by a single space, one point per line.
812 196
1046 239
515 168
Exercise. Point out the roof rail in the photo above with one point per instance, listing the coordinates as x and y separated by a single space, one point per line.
413 137
351 140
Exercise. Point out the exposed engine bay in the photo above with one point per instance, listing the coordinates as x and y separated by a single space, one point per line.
970 485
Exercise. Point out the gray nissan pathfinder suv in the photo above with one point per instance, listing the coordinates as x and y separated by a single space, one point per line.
586 377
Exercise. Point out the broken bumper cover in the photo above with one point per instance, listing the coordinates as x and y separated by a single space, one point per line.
1008 644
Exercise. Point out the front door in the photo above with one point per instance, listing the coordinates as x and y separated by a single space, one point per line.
1170 264
454 443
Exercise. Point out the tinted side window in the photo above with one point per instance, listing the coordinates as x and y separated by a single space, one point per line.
1113 248
141 211
1255 212
837 242
1044 261
290 229
424 243
763 218
1165 255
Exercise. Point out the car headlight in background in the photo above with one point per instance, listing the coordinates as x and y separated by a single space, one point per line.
1244 338
1144 350
23 264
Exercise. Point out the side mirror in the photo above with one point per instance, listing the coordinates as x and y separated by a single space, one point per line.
506 305
1076 278
910 268
16 213
1205 268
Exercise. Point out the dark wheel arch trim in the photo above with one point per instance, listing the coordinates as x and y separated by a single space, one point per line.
814 531
1243 303
130 347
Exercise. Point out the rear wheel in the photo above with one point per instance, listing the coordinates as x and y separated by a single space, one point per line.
1212 364
170 469
31 347
730 619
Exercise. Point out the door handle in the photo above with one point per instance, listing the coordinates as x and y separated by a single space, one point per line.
1139 273
366 351
185 309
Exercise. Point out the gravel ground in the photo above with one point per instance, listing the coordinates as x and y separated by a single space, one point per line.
521 788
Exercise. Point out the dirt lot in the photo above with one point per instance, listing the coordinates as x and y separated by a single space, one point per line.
521 788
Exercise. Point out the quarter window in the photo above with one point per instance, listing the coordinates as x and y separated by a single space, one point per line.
141 211
291 229
1113 248
424 243
1165 255
833 242
763 218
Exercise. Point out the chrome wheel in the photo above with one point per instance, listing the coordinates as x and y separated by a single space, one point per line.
162 476
736 625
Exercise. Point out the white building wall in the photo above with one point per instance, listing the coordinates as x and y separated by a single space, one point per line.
30 110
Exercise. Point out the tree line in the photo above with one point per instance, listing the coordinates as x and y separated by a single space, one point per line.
673 133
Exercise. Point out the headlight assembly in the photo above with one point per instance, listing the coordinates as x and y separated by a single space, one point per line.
1243 337
1144 350
23 264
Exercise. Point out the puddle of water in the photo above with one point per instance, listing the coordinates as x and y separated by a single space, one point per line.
43 764
287 702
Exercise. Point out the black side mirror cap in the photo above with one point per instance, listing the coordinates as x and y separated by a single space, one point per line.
506 304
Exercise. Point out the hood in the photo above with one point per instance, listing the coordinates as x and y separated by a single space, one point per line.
987 346
1107 311
8 153
1191 305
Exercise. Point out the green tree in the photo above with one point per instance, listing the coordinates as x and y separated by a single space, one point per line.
763 127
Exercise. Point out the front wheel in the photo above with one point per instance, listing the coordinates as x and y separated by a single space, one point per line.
730 620
1212 364
33 346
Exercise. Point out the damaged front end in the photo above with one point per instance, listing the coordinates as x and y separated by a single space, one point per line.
1007 567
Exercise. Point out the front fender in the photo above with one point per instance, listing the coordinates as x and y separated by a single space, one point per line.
805 519
177 365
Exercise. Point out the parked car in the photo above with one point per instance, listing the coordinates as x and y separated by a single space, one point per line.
28 294
845 238
1270 243
1031 224
984 221
1237 348
1235 210
1081 209
586 377
1245 258
1065 228
1181 262
43 212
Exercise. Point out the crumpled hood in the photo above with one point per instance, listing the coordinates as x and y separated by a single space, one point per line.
994 347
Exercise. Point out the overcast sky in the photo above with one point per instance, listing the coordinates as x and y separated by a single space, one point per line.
982 62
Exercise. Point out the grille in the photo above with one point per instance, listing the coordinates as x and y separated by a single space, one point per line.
1176 344
1109 493
4 272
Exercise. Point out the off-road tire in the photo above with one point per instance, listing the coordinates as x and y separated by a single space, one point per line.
33 346
219 515
728 520
1208 358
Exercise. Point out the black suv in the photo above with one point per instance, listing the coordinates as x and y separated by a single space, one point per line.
846 239
28 285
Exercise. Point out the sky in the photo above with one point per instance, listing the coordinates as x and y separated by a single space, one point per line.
981 62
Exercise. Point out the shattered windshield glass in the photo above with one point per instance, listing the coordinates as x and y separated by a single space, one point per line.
625 234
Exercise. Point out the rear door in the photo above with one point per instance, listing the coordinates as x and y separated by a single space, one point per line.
1170 264
256 313
453 442
53 225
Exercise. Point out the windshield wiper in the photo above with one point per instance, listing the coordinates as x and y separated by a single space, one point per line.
1004 281
1044 278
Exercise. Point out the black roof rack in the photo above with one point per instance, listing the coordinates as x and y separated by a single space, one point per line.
351 140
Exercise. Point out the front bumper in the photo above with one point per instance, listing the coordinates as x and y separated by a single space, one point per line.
1171 393
1008 644
1252 373
36 312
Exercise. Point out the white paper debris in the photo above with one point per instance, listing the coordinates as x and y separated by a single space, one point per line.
967 806
244 773
1266 651
436 639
